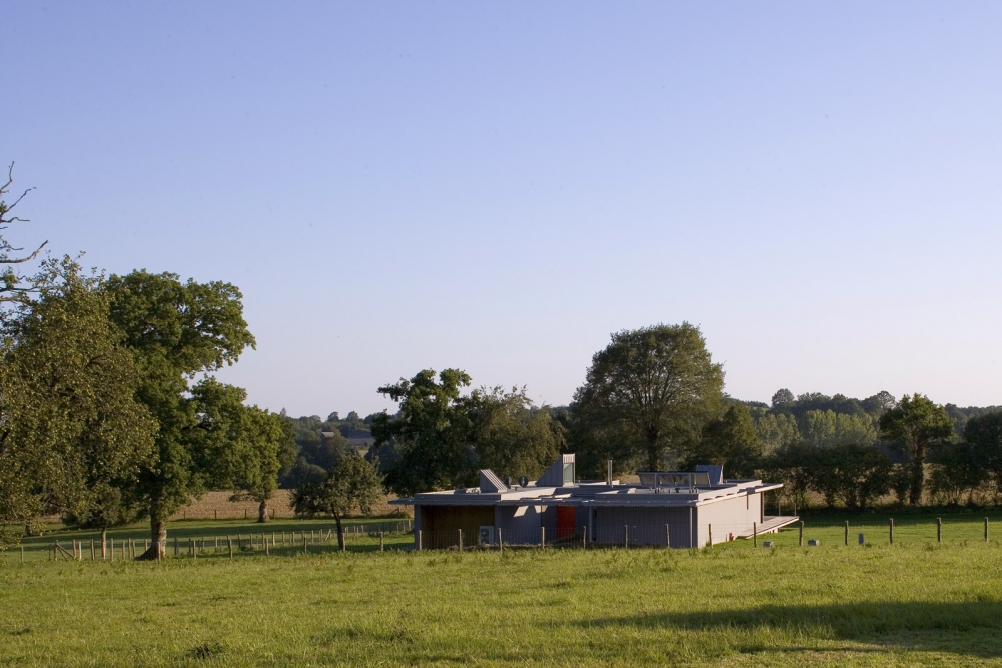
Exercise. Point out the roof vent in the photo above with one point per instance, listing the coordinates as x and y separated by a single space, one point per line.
490 483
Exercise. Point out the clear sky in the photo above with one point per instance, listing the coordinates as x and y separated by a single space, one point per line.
499 186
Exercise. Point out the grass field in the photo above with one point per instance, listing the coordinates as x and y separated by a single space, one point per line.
914 603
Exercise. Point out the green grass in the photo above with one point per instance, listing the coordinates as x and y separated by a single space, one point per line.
914 603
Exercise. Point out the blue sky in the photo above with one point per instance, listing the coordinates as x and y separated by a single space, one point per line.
499 186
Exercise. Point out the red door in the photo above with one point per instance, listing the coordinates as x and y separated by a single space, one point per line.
566 521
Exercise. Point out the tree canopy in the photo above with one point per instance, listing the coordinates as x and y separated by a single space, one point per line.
71 430
655 387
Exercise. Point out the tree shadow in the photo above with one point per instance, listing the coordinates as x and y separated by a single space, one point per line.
967 627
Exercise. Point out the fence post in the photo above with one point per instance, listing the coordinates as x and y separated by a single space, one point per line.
175 546
626 536
380 541
667 536
939 529
986 528
847 533
542 536
304 542
584 538
460 539
267 553
801 533
229 544
111 551
754 526
500 542
891 532
419 540
709 531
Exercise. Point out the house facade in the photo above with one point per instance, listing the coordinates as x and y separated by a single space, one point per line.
680 509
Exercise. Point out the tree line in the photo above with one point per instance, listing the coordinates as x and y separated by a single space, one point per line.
653 399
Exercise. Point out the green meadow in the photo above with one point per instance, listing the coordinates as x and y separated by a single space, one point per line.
917 602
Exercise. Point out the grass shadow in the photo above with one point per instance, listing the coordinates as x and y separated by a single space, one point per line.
919 625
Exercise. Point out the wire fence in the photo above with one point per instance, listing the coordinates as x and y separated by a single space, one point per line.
355 537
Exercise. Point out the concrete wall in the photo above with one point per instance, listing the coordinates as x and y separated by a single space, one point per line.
520 524
729 516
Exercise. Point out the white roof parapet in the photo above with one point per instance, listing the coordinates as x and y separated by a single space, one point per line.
490 483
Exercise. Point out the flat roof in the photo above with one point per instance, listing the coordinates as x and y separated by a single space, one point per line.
593 494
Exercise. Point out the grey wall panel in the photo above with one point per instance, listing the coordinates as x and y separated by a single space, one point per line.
646 526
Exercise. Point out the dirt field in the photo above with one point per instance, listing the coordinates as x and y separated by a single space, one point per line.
217 505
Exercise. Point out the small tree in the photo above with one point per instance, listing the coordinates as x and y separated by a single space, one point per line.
917 424
261 446
351 485
854 474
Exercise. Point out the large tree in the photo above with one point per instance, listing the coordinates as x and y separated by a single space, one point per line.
71 430
656 386
430 430
916 424
177 331
510 435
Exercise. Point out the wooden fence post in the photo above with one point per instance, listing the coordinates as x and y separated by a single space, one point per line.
939 529
754 529
801 533
460 539
500 542
380 541
890 534
304 542
266 552
667 536
847 533
542 536
229 543
709 531
419 546
626 536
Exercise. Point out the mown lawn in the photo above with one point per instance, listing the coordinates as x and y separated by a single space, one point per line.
914 603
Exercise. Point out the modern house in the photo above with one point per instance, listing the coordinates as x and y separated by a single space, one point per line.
677 508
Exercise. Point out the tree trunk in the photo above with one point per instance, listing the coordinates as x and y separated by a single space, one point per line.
918 474
158 534
340 534
262 511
